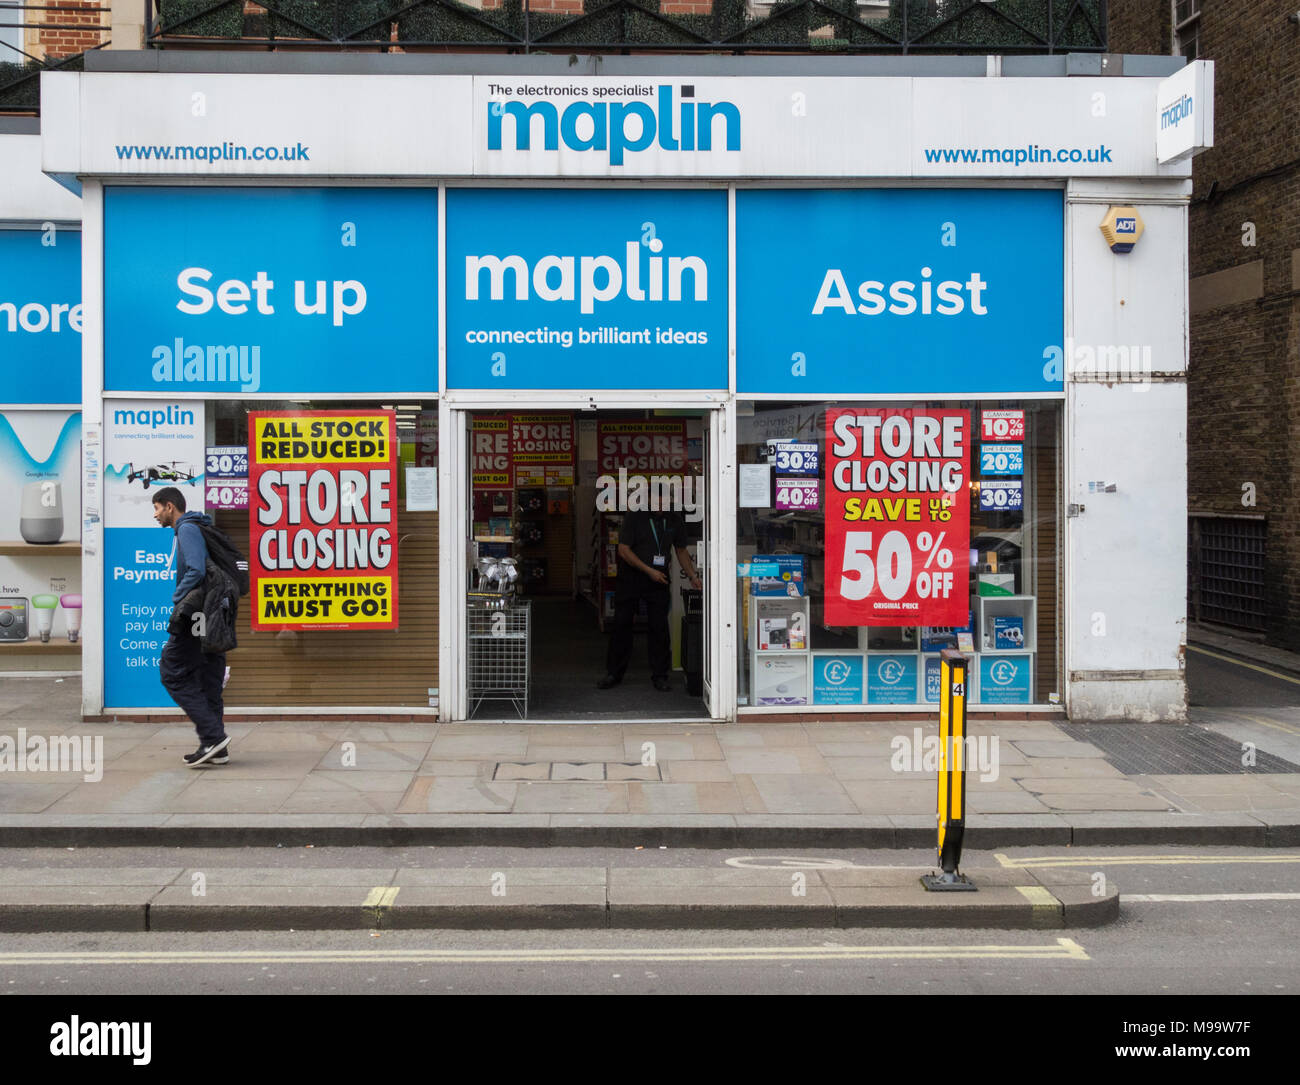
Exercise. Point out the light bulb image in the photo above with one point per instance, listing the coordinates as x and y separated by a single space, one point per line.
72 614
43 606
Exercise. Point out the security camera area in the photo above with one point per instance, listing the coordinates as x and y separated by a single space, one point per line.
854 339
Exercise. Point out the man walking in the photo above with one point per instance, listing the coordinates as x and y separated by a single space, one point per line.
191 676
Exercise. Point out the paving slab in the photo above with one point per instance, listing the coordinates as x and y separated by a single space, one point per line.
616 770
659 798
1041 748
12 877
218 877
486 879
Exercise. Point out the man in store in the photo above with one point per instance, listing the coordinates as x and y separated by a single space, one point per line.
191 676
646 543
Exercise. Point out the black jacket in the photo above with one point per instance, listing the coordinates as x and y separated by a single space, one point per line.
217 596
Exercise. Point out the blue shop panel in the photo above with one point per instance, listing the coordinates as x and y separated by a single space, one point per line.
270 291
1006 679
891 678
40 316
138 582
586 289
899 292
839 678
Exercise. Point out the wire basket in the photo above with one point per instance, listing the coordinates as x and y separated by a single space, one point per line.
498 652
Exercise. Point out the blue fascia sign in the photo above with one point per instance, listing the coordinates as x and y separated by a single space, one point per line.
40 316
899 291
550 288
271 290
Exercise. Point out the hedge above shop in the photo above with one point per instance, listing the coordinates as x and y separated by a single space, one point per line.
848 26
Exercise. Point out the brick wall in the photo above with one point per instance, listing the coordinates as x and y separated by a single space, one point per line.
1244 380
89 17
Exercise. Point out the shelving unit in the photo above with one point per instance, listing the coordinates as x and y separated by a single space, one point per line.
34 646
20 548
781 660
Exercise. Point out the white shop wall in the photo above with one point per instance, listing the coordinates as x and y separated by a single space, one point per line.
1126 590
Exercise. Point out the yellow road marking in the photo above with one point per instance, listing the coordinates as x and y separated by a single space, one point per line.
1266 723
1199 898
1239 663
1137 860
1038 896
1064 948
381 896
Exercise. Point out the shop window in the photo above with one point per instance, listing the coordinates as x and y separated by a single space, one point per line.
995 563
358 665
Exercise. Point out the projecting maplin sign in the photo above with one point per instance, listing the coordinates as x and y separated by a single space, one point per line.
1185 112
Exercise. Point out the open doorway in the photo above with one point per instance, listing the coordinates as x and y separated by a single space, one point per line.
551 497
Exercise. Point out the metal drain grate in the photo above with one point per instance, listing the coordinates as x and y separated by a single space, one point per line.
1172 750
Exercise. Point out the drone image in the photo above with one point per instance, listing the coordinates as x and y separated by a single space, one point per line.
175 471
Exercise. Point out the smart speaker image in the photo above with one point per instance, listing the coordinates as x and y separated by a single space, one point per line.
43 607
72 614
41 517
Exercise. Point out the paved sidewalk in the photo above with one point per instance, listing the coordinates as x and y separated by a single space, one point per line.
388 898
864 784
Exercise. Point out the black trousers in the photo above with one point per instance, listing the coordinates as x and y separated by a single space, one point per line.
193 678
657 597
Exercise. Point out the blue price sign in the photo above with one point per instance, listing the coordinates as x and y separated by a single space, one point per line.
227 461
1006 496
795 459
1002 459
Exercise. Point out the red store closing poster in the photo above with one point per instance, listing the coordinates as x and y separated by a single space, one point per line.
897 517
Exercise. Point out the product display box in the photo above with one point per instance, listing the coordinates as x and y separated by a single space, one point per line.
935 638
780 625
997 584
1008 633
781 679
784 575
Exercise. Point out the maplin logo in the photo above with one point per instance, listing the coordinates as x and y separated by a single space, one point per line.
617 127
1174 115
172 415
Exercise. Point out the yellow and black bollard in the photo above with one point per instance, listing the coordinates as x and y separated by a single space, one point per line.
953 670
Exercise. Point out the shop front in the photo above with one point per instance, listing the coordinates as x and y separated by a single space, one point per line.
276 362
899 444
431 379
40 412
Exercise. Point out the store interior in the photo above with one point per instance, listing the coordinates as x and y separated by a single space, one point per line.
548 492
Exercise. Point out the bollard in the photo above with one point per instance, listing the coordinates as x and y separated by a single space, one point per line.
953 671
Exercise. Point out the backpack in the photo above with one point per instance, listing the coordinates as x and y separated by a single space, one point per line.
226 556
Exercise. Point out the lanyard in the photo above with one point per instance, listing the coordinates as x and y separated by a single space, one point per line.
656 534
